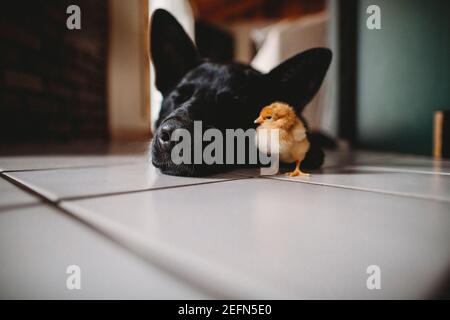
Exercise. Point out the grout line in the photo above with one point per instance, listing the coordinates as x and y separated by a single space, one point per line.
392 193
388 169
356 162
320 170
119 193
75 167
27 189
35 188
56 200
19 206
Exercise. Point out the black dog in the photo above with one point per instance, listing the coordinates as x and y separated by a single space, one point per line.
222 95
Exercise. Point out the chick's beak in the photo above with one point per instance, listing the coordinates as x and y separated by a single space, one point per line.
259 120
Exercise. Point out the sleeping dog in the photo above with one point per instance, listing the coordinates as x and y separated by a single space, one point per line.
222 96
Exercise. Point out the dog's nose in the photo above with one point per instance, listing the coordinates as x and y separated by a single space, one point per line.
164 136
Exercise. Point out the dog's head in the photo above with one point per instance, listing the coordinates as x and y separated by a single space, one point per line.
222 96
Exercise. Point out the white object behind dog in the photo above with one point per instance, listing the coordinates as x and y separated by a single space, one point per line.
284 39
182 11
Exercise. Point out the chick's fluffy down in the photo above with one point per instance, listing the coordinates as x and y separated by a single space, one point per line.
293 143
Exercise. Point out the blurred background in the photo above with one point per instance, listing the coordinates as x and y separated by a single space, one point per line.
95 85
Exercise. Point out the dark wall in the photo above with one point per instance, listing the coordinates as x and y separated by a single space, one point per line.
52 80
403 74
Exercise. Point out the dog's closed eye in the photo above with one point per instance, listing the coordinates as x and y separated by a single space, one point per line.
227 97
184 93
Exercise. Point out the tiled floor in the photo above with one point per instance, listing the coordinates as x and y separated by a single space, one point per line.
136 233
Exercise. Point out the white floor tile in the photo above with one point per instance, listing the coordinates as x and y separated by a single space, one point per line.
36 162
341 158
38 244
10 195
411 164
291 239
76 182
409 184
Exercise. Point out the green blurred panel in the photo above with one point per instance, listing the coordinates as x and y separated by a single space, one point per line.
403 74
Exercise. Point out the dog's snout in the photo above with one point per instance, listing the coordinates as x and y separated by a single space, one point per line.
164 136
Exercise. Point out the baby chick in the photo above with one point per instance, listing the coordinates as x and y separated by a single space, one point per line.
293 143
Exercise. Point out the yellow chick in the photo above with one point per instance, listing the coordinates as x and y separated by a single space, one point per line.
293 143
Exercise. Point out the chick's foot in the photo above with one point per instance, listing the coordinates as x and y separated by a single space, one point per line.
297 172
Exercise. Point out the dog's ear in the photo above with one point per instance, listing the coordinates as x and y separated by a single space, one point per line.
173 52
297 80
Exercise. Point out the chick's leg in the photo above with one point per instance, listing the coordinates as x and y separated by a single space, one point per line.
297 171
